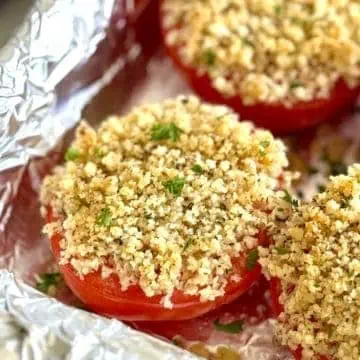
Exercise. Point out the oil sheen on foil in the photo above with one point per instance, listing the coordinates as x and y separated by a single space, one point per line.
92 58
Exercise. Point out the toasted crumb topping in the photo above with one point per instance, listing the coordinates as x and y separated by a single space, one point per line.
316 256
268 51
165 197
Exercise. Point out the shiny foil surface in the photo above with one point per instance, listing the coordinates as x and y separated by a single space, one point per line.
93 58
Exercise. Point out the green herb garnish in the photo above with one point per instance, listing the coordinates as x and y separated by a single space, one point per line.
345 203
104 218
300 194
175 185
210 57
281 250
188 243
72 154
197 169
98 152
247 42
277 10
264 144
288 198
47 280
321 188
232 328
252 259
295 84
165 132
338 168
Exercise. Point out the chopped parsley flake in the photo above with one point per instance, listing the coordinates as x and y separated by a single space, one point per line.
288 198
321 188
47 280
345 203
72 154
300 194
277 10
104 218
98 152
252 259
248 43
210 57
232 328
338 168
165 132
295 84
175 185
264 144
281 250
188 243
197 169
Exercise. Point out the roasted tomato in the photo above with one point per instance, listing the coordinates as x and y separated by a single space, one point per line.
104 296
275 117
277 309
251 308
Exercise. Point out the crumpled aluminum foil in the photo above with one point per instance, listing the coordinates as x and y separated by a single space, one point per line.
57 331
49 78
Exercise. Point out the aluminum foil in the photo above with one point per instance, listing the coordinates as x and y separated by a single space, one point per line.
73 58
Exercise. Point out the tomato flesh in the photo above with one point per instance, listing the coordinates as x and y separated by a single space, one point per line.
104 296
277 309
252 308
275 117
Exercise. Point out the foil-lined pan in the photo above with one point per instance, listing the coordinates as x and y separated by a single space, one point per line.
92 58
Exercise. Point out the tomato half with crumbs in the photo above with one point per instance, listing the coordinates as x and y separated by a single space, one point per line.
276 116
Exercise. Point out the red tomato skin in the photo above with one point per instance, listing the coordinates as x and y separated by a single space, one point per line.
105 297
246 308
276 117
275 291
277 309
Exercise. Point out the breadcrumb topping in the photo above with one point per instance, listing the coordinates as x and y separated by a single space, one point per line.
268 51
165 197
316 256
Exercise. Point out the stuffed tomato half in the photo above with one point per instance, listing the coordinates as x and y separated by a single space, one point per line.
159 215
314 265
279 64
